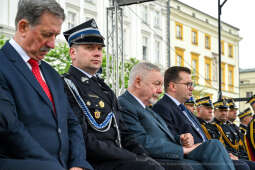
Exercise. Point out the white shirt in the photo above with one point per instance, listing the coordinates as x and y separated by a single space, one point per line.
139 101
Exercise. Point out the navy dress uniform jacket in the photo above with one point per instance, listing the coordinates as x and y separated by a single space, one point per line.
31 130
102 147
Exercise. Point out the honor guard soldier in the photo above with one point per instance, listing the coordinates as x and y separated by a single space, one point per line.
205 115
96 105
250 138
245 118
190 104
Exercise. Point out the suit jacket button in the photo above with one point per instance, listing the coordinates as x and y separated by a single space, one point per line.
59 130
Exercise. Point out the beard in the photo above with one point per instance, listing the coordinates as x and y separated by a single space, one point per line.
153 99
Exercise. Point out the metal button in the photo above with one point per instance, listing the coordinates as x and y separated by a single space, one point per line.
59 130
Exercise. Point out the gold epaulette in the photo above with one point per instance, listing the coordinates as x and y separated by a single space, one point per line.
235 146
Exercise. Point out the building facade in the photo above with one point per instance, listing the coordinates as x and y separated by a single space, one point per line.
193 38
247 85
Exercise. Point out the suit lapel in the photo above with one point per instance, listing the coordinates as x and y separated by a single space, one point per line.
23 69
169 100
50 83
161 124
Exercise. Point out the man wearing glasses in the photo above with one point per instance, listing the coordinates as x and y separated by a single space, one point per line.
178 88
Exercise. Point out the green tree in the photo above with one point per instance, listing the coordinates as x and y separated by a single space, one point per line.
59 58
2 41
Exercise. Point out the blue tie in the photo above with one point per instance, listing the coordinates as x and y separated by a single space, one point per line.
187 113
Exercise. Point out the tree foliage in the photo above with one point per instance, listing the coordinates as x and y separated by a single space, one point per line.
59 58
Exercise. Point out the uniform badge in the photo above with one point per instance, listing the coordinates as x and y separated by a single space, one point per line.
93 96
84 79
88 103
97 114
93 24
101 104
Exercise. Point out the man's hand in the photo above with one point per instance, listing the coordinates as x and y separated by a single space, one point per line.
187 150
76 168
232 156
187 140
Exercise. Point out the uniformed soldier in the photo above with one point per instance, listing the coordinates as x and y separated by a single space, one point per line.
231 138
191 105
96 105
245 118
205 115
232 113
251 132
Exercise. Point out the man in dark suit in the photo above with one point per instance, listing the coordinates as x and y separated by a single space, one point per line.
149 129
38 127
96 105
178 88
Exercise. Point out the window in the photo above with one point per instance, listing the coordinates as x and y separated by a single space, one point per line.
145 48
195 66
145 14
222 47
179 52
208 72
157 19
157 52
207 41
71 22
231 78
223 84
249 94
194 37
179 31
230 51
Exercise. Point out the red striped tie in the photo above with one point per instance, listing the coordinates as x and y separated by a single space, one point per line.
36 71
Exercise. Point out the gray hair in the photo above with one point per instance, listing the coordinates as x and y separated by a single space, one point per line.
32 10
141 69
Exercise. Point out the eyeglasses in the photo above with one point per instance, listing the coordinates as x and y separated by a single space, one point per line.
188 84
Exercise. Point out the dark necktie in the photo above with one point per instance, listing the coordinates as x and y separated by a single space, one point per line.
36 71
192 121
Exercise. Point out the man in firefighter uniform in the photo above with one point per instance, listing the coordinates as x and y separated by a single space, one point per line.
230 136
191 105
96 105
245 118
250 138
205 116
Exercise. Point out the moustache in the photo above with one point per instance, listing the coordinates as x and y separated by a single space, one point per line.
45 49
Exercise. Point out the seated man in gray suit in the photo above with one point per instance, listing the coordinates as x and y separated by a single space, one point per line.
149 129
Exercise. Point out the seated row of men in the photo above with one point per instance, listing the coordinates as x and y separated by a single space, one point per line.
77 122
236 139
125 133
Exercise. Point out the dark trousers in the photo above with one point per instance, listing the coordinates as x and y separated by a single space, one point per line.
212 155
29 164
250 163
241 165
184 164
127 165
